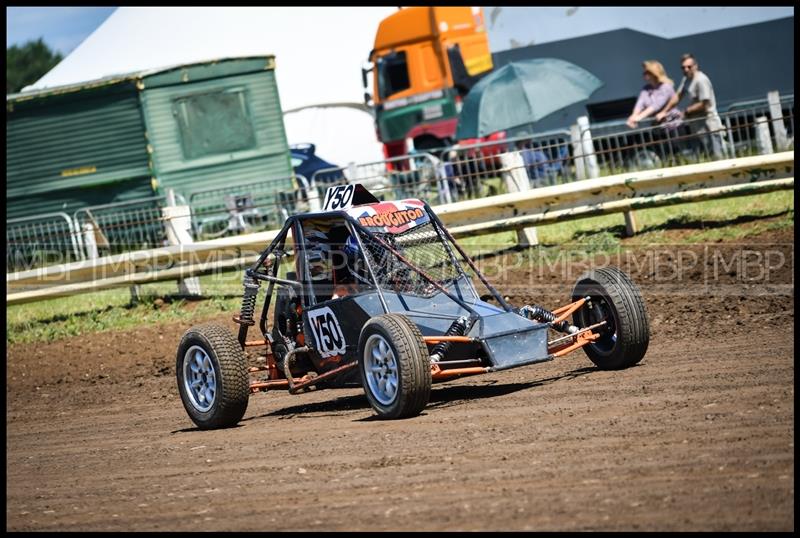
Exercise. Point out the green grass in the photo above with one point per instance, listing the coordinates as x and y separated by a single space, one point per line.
705 221
112 309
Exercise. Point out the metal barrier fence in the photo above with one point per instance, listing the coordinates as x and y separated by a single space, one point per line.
407 176
123 226
584 152
478 170
41 240
740 133
624 192
460 173
245 208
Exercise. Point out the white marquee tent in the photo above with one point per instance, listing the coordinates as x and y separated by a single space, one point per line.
318 52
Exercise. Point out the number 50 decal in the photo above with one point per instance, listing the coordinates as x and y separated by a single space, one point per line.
327 333
338 197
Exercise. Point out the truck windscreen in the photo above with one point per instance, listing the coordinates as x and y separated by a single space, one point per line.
392 74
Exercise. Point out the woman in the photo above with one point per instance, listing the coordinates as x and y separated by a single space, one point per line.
655 95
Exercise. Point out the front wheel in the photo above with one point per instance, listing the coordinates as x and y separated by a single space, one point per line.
616 300
212 377
395 366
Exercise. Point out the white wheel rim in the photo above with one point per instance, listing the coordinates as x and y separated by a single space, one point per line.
199 378
380 366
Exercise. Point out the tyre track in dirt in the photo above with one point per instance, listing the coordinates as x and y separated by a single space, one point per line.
698 436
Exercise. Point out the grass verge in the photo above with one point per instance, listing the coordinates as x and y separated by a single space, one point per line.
729 219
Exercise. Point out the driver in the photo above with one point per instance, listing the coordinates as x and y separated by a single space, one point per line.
353 273
335 273
320 266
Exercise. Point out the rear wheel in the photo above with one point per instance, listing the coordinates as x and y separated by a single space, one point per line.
212 377
395 366
616 299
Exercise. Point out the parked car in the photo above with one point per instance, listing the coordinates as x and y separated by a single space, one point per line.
305 162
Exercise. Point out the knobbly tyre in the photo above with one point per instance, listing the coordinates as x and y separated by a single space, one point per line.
379 294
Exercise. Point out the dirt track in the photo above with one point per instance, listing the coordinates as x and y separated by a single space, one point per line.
699 436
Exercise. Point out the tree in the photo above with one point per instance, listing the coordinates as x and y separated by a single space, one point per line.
28 63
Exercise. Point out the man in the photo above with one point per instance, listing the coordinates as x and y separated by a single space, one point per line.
701 114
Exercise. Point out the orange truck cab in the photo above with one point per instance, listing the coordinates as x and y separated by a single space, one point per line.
424 62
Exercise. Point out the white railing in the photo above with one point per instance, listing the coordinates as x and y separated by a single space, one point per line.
733 177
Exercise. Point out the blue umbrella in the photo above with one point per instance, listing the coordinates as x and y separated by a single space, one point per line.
523 92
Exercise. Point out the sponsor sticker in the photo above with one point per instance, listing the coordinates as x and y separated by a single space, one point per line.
395 219
327 332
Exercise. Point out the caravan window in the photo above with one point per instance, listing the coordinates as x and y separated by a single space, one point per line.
392 74
213 123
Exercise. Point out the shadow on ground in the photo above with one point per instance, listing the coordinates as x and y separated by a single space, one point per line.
441 396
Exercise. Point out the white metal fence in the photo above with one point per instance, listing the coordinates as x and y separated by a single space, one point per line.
586 152
512 211
121 226
41 240
450 175
246 207
407 176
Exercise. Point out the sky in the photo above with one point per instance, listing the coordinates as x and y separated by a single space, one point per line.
63 28
118 45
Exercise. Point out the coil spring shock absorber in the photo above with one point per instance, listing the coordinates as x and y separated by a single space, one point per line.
458 328
249 301
540 313
248 309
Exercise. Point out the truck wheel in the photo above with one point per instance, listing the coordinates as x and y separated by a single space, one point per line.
395 366
616 299
212 377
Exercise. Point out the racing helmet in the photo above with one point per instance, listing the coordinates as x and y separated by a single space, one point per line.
354 260
318 256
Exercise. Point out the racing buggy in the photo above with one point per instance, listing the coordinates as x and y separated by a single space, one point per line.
379 294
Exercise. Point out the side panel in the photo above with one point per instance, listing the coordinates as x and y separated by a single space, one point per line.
64 152
73 199
265 157
333 327
511 340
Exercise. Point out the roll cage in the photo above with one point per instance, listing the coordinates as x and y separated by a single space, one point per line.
266 270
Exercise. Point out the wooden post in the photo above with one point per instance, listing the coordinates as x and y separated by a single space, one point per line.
763 140
731 145
776 113
515 178
577 152
592 170
630 224
178 222
314 204
442 184
90 242
352 171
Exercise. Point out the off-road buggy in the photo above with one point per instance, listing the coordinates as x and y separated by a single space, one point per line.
380 294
